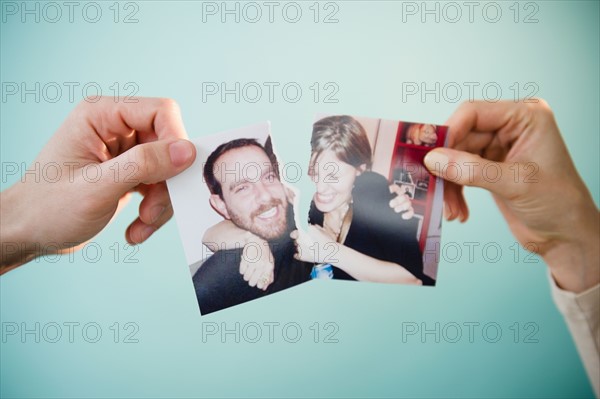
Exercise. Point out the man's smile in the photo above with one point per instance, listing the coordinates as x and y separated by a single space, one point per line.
269 214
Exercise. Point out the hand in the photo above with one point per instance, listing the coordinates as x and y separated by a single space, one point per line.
102 152
314 245
290 194
401 203
515 150
257 265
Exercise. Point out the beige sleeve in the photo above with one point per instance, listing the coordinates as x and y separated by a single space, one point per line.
582 314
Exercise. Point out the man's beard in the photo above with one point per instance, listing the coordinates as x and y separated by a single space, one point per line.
269 232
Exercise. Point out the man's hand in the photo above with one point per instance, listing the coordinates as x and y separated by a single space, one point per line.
257 264
401 202
103 151
515 150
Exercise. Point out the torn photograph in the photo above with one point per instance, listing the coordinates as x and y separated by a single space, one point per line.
374 202
375 211
235 218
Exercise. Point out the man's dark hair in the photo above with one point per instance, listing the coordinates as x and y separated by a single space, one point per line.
209 173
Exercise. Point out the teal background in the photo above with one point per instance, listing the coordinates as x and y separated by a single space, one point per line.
369 53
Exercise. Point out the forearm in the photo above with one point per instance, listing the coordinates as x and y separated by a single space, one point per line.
225 235
365 268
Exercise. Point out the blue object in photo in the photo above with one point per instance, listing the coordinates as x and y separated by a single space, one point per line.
322 271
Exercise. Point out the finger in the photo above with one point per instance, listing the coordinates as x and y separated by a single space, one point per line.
468 169
138 232
155 203
474 143
408 214
263 282
294 235
243 266
163 218
248 274
482 116
401 203
250 271
451 194
270 280
463 209
146 164
118 126
400 199
455 205
254 278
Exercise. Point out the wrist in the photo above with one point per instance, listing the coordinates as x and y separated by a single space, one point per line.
249 237
574 261
19 245
330 254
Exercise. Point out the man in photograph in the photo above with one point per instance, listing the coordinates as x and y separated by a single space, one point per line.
245 188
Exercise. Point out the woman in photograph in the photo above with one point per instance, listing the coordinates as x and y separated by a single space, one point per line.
353 228
350 207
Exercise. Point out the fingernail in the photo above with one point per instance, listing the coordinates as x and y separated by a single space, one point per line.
435 161
147 232
181 151
447 211
155 212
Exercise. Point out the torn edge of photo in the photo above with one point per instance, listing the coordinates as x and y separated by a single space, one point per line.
235 217
375 197
375 213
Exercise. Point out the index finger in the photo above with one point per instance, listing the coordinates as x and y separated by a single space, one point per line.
500 118
121 125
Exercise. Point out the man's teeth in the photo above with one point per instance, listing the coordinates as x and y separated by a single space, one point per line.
271 212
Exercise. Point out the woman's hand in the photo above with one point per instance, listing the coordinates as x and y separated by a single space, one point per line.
257 264
515 151
315 245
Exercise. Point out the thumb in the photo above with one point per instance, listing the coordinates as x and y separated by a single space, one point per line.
468 169
313 230
301 237
148 163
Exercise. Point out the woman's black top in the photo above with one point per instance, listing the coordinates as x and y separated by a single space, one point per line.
376 230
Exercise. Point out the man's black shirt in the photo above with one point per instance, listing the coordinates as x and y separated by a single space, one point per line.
219 284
